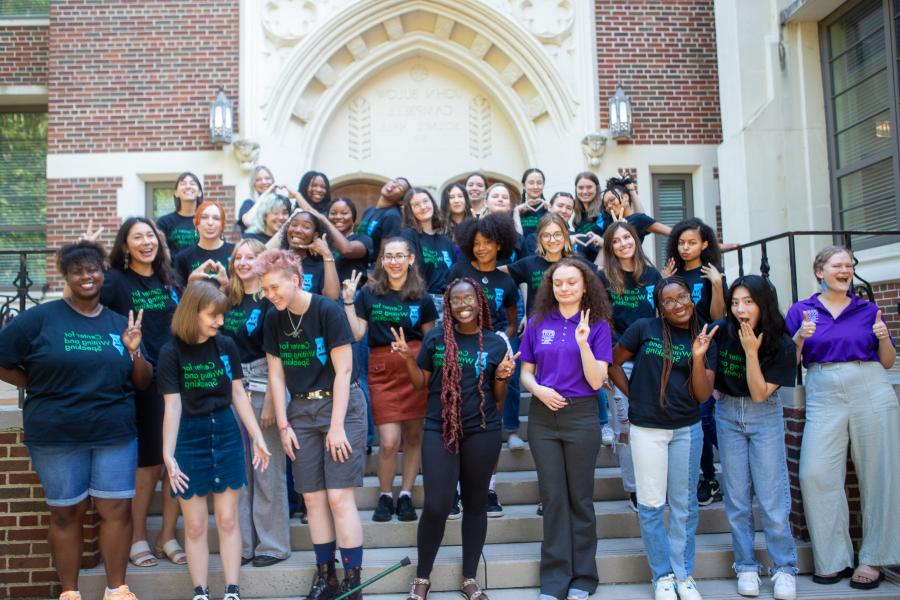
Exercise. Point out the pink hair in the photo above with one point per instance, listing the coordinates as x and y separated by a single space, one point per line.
277 260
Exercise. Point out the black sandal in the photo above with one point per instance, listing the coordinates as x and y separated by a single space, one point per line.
832 579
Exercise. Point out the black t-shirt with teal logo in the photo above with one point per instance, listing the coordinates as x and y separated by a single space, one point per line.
731 371
126 290
434 257
472 362
530 220
306 356
645 339
500 289
189 259
384 312
379 224
530 271
201 373
635 302
244 324
701 291
346 266
313 274
179 231
79 375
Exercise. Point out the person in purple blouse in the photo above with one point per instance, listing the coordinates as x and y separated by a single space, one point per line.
570 328
846 349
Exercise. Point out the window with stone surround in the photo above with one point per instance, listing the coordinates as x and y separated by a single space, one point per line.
159 198
860 64
673 201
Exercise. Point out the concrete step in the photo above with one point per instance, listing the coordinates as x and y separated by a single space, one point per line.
520 523
508 566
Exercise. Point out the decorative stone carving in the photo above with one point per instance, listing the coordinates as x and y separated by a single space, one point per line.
247 153
359 132
480 133
549 20
593 146
286 22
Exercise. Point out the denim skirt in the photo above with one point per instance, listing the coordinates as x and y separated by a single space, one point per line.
210 452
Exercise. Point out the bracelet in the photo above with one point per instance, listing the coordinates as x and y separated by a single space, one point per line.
135 354
502 378
328 259
349 303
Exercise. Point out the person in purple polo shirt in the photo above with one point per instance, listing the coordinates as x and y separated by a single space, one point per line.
565 351
846 349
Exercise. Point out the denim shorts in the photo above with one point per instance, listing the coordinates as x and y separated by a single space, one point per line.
69 474
210 451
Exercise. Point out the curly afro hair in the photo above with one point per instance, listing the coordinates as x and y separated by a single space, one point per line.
495 227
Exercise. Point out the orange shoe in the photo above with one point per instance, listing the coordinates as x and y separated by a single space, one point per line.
120 593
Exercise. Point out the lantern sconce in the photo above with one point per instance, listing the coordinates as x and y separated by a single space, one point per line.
221 119
620 117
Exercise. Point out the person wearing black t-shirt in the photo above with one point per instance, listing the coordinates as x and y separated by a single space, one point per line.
498 201
308 344
269 214
756 357
465 368
562 204
533 206
261 182
589 221
178 227
674 368
619 202
424 227
315 189
140 278
201 380
694 255
80 431
382 221
210 223
305 236
455 208
395 299
629 279
265 534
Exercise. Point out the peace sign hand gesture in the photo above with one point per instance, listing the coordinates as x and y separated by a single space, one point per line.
618 214
584 327
749 341
90 234
131 337
399 344
348 287
506 368
701 342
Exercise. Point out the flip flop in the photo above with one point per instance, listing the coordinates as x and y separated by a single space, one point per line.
140 555
173 551
832 579
867 585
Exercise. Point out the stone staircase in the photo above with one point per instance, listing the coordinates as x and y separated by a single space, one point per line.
509 568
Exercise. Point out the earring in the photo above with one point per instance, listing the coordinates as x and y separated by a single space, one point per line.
127 258
823 287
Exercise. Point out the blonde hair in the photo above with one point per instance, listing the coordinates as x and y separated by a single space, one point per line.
546 221
198 296
235 289
825 254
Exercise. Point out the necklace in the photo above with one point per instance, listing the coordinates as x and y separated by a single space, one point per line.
295 329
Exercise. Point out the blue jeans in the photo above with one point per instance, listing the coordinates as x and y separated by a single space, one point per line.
708 423
666 464
361 358
751 438
601 406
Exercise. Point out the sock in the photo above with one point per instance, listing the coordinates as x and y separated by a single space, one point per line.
388 494
352 557
109 591
493 482
324 552
405 493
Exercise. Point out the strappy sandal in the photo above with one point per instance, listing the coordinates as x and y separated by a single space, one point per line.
475 594
412 589
140 555
173 551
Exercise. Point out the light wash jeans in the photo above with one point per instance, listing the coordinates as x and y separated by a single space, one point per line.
751 449
618 418
667 465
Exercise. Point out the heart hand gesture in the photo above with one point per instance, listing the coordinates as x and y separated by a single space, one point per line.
702 341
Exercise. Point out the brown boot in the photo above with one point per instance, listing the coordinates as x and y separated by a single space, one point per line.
351 580
325 586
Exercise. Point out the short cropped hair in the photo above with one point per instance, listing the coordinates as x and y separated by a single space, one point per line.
277 260
84 252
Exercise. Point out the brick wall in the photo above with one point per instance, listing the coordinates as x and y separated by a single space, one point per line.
139 76
887 297
664 54
26 569
23 55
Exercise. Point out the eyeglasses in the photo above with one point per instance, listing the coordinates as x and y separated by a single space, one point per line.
464 301
390 258
682 300
556 237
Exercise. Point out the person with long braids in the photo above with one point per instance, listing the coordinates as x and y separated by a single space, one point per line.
261 182
629 278
756 357
304 235
209 221
475 185
619 204
847 350
465 367
140 278
316 190
533 206
565 352
674 367
395 299
308 345
178 227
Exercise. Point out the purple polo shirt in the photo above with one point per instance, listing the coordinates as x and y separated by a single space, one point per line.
551 346
845 339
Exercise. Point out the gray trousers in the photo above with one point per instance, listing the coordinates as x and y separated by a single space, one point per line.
851 403
565 444
263 506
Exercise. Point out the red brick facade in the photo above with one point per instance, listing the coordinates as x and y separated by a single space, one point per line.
23 55
139 76
664 54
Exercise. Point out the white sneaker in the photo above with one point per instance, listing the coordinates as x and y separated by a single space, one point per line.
687 589
514 442
607 435
785 586
748 583
664 588
576 594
